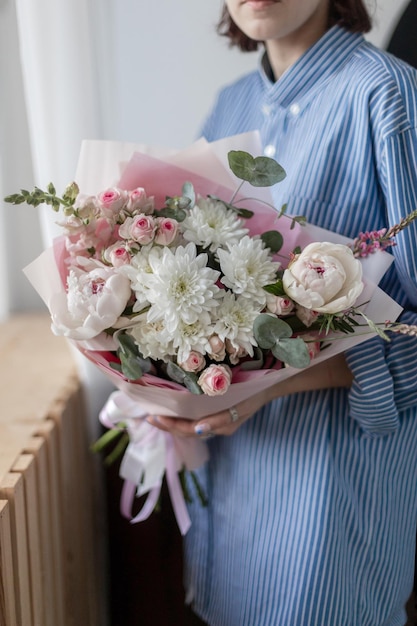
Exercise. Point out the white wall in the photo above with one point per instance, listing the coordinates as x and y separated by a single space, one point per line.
162 63
385 15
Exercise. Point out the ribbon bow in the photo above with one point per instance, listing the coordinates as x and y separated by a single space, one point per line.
151 454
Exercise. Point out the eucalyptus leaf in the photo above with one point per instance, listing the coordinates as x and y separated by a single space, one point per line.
258 171
176 214
268 330
131 366
178 202
293 352
177 374
273 240
255 363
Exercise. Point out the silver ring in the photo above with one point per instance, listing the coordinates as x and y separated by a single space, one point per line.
233 414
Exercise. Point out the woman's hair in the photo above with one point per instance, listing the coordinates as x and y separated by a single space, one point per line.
351 14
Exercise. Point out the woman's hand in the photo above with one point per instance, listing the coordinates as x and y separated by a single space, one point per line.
329 374
223 423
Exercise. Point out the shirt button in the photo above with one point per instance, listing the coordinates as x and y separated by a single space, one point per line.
295 109
266 109
269 150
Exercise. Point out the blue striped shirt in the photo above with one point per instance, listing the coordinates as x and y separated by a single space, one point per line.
312 514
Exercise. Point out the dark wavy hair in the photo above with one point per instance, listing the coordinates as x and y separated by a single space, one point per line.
351 14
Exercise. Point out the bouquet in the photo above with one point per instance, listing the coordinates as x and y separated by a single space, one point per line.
192 296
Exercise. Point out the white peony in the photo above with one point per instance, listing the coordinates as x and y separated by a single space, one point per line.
211 225
247 268
325 277
94 301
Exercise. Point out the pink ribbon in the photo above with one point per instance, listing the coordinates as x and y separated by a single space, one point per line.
151 454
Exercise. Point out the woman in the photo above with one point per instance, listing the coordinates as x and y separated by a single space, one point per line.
312 499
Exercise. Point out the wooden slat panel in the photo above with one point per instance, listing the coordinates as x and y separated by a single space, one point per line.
8 615
37 447
25 465
12 489
42 414
76 553
86 510
49 431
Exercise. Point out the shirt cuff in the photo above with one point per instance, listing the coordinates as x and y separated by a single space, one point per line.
371 397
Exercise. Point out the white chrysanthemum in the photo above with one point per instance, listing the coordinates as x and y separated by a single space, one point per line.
188 337
137 272
247 268
235 321
181 287
211 225
153 340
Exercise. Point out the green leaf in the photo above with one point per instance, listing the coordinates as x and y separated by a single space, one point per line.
255 363
276 289
268 330
258 171
272 333
293 351
175 214
188 379
273 240
298 219
178 202
245 213
133 364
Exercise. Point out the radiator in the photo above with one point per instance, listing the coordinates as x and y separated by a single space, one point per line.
52 529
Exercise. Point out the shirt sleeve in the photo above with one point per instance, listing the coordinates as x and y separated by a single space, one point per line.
385 373
385 380
399 183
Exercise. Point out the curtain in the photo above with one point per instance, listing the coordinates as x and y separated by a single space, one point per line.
20 238
51 101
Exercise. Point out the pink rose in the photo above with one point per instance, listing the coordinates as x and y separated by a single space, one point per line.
215 380
194 363
166 232
307 316
312 343
140 228
112 200
117 255
217 348
235 353
139 202
279 305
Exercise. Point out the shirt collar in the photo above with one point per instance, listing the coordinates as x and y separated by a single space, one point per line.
313 68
